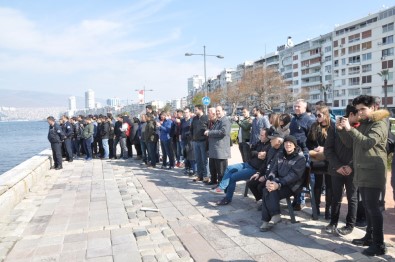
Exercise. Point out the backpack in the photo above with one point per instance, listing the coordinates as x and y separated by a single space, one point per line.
127 132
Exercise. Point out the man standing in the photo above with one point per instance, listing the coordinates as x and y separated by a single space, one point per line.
369 142
68 131
105 135
244 134
299 128
219 146
260 121
55 137
87 135
198 127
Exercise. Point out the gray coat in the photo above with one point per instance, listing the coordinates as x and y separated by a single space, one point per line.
219 139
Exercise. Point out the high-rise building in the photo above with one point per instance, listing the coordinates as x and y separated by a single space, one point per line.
114 102
72 103
90 99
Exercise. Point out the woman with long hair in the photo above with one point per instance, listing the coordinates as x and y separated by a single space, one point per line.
319 166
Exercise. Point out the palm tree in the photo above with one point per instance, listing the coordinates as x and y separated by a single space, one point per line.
384 75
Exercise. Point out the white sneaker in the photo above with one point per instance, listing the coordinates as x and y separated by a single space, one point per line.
275 220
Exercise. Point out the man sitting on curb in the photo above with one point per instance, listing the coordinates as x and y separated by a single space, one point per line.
245 170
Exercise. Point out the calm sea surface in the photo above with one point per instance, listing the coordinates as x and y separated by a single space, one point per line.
20 141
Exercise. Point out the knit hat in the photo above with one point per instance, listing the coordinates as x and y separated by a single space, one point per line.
291 139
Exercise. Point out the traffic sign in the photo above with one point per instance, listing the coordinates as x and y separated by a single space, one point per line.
206 100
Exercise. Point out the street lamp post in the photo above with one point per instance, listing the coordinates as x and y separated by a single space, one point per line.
204 59
144 92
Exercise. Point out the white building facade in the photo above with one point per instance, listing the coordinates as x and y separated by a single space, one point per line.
89 99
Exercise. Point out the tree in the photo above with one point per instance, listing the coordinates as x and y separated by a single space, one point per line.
197 98
384 75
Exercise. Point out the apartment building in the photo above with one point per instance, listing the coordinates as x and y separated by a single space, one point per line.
361 50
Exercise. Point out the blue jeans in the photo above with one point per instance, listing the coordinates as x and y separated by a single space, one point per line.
167 151
199 148
143 146
179 155
106 148
234 173
151 146
88 147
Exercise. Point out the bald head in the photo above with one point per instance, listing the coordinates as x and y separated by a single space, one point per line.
219 111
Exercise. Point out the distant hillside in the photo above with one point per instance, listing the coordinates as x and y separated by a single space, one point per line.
22 98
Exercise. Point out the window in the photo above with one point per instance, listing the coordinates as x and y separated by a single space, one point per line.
315 51
296 82
335 43
353 38
366 34
336 73
366 91
367 45
343 51
388 52
366 68
343 40
305 63
328 68
367 56
354 92
344 102
336 63
388 40
353 70
336 103
328 49
387 64
336 53
343 82
388 27
305 71
354 49
328 77
354 59
343 72
295 57
295 66
328 58
366 79
296 74
343 61
354 81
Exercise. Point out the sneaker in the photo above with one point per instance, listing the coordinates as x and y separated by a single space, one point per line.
264 227
181 165
217 190
330 229
275 220
197 179
178 164
345 230
375 250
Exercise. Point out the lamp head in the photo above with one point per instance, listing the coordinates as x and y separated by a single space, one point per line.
188 54
220 56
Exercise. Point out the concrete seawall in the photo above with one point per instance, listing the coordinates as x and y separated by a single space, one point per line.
15 183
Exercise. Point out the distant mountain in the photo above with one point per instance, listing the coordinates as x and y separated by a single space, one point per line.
23 98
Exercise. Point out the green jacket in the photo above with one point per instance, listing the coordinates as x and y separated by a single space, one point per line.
150 132
245 127
88 131
368 142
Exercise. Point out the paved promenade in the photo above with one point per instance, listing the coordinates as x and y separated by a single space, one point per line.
91 211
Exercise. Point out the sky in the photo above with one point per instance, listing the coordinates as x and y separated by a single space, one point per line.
116 47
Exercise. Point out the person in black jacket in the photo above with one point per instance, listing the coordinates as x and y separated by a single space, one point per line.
68 131
118 135
285 179
55 137
105 135
340 168
244 171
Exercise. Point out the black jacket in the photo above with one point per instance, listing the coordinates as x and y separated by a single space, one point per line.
117 130
289 170
198 126
254 161
55 134
271 155
336 153
105 130
68 130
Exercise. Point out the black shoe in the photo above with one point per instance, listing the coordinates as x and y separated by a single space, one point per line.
223 202
345 230
365 241
71 160
58 167
375 250
361 223
211 183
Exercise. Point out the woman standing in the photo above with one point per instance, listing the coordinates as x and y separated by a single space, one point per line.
319 166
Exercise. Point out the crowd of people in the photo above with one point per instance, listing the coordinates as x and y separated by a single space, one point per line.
279 152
